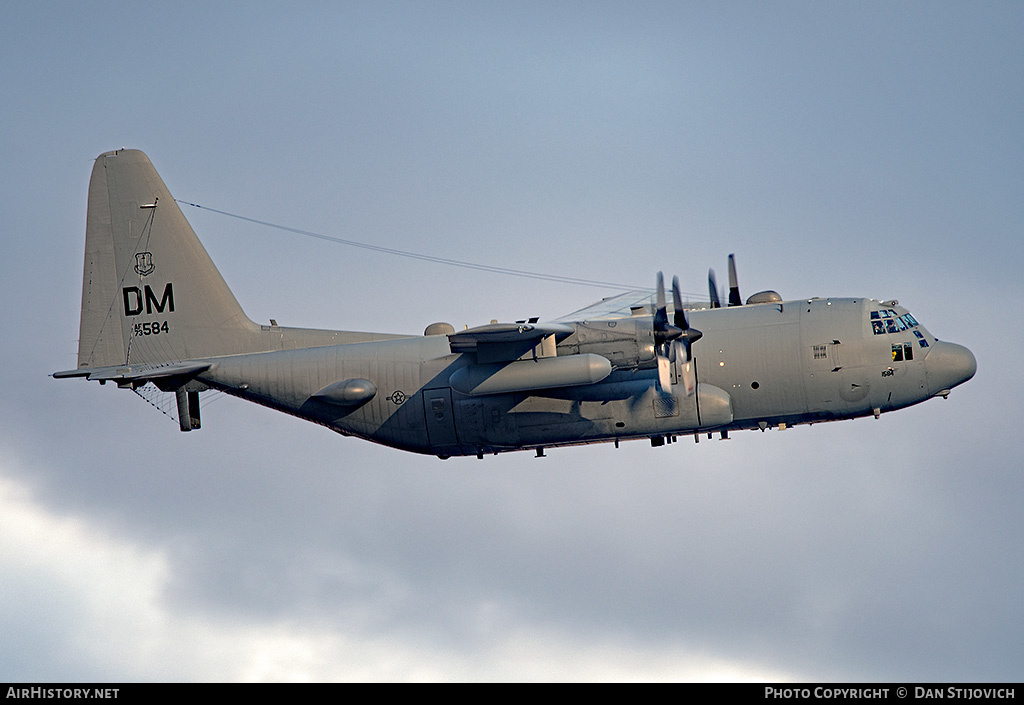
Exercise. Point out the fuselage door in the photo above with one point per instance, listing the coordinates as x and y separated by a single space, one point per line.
437 405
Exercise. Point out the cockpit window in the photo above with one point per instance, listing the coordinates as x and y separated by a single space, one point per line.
902 351
885 321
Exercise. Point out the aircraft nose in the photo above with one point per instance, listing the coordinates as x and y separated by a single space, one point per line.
947 365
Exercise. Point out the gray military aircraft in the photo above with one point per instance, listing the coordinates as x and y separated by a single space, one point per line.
155 309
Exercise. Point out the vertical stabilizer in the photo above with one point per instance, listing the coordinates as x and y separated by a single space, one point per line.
150 293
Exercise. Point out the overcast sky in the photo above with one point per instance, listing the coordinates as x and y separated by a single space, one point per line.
839 149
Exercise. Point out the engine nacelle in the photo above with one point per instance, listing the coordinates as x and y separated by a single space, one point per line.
627 343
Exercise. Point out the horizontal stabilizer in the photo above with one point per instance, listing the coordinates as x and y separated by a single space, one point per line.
135 375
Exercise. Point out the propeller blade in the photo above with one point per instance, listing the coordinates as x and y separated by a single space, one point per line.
678 314
663 332
688 378
734 286
690 335
664 374
660 314
713 289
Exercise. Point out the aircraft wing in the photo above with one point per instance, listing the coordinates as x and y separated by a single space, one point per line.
617 306
623 305
170 375
501 342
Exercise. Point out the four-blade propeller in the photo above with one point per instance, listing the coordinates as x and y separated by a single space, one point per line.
670 337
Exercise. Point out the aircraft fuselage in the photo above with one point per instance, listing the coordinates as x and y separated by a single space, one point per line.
757 366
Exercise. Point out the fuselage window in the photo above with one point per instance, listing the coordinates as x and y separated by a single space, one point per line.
897 352
908 351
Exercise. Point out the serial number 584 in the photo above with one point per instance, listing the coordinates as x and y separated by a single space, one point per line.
151 328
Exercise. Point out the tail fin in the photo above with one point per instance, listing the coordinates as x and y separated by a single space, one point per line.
151 293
